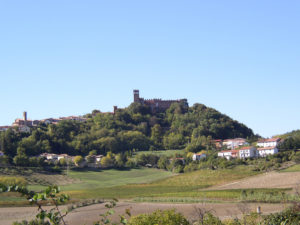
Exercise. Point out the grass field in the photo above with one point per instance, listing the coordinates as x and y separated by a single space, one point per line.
168 153
147 184
86 180
183 185
294 168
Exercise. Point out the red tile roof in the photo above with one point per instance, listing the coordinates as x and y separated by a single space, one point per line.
266 148
269 140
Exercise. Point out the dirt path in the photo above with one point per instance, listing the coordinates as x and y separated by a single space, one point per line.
88 215
266 180
10 214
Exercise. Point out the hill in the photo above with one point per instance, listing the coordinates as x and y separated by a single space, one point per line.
135 127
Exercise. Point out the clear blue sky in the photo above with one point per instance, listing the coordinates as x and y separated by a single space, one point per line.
60 58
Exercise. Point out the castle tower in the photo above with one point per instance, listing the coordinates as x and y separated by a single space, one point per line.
25 116
136 95
115 109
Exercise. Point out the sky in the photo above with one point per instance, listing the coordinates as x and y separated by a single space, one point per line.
62 58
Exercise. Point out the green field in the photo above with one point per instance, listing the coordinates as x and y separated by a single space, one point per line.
153 185
86 179
149 184
168 153
183 185
294 168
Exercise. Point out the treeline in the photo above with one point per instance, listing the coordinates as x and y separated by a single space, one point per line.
132 128
291 140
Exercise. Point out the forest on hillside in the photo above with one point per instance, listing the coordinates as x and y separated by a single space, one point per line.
132 128
291 140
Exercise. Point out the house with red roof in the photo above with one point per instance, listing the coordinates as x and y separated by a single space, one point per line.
247 152
270 142
235 143
228 154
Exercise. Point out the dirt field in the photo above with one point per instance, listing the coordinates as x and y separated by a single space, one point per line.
266 180
87 215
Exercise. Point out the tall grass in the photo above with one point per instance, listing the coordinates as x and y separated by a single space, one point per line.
8 180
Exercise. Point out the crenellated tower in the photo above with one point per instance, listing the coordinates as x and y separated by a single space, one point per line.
136 95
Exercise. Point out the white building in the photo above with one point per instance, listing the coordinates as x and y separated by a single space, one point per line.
98 158
263 152
271 142
4 128
63 156
228 154
235 143
198 156
247 152
49 156
1 153
24 129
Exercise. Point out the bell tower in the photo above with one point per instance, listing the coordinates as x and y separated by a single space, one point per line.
25 116
136 95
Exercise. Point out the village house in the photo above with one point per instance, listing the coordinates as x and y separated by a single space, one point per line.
271 142
218 143
63 156
24 129
4 128
49 156
74 118
228 154
198 156
98 158
247 152
50 121
263 152
235 143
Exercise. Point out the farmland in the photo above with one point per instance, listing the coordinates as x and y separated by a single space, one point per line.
153 185
183 185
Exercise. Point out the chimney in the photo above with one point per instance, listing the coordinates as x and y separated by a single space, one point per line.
25 116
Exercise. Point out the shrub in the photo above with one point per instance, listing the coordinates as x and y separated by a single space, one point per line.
159 217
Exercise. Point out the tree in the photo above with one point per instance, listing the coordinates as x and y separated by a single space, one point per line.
62 162
21 159
78 160
156 135
163 162
121 160
107 161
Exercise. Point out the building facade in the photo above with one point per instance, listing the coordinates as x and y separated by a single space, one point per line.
247 152
156 104
271 142
234 143
263 152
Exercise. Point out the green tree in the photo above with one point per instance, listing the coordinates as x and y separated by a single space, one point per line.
78 160
163 162
156 135
21 159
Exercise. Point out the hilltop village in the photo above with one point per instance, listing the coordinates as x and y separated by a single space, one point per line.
226 148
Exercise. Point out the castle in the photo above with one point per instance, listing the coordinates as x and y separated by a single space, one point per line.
156 105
